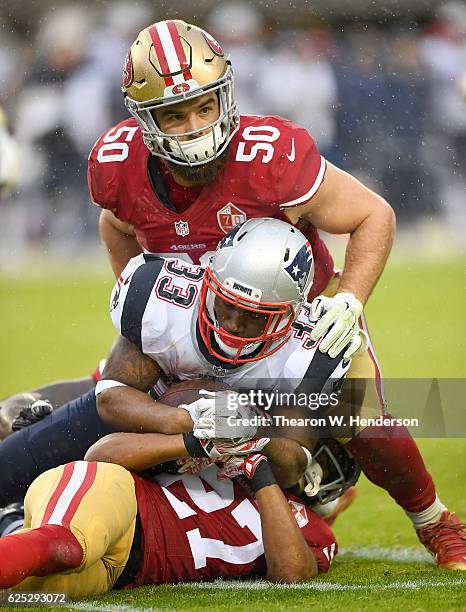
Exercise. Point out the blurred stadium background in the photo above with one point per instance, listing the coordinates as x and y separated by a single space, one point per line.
381 86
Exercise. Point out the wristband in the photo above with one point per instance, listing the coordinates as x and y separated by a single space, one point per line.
193 446
263 477
103 385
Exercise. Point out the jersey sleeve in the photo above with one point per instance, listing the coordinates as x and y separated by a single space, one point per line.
300 168
110 166
131 308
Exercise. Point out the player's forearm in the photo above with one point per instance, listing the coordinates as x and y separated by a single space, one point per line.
288 460
367 252
137 452
130 410
286 552
120 246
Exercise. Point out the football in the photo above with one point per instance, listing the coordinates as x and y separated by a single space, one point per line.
187 391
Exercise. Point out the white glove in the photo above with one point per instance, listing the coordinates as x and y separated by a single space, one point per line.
337 324
201 406
218 414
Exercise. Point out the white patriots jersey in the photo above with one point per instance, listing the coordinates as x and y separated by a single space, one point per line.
155 305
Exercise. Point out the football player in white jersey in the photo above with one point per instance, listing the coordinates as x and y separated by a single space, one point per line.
240 321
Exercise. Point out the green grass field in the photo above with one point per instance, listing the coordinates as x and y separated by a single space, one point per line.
56 326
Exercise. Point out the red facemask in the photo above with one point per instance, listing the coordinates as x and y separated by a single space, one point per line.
275 312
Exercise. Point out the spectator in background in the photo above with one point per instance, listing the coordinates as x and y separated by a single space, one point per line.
443 49
42 122
405 176
240 27
361 96
68 100
297 81
9 158
384 105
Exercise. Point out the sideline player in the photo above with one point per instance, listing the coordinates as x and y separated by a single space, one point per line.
92 526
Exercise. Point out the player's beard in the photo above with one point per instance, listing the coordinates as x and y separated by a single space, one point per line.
198 176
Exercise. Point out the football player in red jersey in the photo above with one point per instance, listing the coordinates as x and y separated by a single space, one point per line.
93 526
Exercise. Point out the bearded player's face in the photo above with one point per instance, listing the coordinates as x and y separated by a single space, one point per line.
192 116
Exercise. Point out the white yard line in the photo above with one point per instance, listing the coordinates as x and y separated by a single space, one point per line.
411 554
322 586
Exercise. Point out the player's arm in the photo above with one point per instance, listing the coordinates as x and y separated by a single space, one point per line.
119 240
122 394
343 205
289 460
138 452
287 554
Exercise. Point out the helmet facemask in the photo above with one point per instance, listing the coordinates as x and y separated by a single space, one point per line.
232 348
340 470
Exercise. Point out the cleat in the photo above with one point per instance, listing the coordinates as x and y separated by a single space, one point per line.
445 540
342 504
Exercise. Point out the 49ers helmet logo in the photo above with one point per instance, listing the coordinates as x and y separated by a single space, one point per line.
213 44
128 70
181 88
229 217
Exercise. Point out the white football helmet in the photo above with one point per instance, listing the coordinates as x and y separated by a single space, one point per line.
169 62
262 267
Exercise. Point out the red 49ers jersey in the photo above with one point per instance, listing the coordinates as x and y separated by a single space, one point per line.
196 527
273 164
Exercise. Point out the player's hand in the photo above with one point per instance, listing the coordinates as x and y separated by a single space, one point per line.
215 449
240 466
218 414
337 324
31 414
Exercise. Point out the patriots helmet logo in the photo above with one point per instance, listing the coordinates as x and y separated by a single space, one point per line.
227 241
301 269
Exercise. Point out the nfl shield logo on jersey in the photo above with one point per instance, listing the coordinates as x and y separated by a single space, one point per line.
229 217
182 228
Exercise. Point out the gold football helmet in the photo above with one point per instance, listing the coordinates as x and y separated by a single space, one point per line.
170 62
